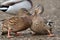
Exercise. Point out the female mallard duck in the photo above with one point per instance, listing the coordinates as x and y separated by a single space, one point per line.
38 23
16 23
13 6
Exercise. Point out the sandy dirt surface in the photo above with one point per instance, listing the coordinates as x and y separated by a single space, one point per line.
51 12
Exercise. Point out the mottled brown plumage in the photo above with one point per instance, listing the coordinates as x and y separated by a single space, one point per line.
38 24
17 23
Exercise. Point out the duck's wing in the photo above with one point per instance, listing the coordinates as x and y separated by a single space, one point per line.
9 3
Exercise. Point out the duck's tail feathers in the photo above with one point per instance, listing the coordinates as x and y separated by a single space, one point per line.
50 23
3 8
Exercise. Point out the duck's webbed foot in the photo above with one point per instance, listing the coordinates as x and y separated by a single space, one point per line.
18 33
50 34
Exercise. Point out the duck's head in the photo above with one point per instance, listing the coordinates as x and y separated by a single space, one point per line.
38 10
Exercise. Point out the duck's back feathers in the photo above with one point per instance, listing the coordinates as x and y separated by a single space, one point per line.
16 7
17 23
10 2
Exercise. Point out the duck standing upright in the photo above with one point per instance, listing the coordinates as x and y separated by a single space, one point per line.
16 24
38 23
13 6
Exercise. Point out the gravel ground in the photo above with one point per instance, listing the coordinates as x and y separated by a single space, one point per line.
51 12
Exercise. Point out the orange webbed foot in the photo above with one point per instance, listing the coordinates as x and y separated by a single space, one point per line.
9 36
18 34
51 35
